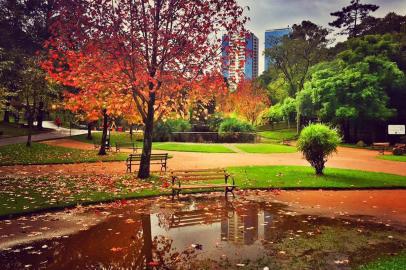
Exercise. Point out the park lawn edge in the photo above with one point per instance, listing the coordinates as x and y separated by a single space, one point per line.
393 158
151 193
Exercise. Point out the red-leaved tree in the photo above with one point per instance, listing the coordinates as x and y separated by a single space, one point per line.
249 100
149 48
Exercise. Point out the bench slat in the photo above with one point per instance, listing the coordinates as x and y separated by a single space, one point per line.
198 170
203 186
215 177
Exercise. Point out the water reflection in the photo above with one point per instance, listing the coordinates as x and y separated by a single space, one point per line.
203 232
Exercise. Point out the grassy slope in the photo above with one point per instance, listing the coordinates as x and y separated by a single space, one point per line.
279 135
61 191
120 137
14 130
393 157
266 148
192 147
40 153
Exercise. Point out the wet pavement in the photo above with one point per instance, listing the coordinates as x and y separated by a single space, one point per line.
258 229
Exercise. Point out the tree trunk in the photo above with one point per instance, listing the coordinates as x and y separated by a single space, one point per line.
131 132
346 130
102 150
144 171
6 117
298 123
147 237
30 124
40 116
89 131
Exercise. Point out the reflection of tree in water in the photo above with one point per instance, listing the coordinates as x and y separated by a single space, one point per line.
169 258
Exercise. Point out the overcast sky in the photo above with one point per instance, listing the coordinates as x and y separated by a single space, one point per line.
269 14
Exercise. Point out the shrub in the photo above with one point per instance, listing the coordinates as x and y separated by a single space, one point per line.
317 142
179 125
361 143
234 125
214 121
163 130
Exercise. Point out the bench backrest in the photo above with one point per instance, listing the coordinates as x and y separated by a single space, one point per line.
200 175
137 157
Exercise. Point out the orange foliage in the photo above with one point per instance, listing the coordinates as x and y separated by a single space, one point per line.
248 100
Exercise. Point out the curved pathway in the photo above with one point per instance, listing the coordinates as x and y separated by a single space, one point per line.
55 134
348 158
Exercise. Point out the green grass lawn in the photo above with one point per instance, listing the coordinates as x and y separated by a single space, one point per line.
397 262
279 135
393 157
120 137
265 148
304 177
14 130
27 194
192 147
40 153
124 138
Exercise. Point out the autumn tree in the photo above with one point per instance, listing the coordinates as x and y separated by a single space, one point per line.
145 44
249 100
351 16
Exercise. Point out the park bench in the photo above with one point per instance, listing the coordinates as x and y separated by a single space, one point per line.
380 146
194 179
133 146
135 159
399 149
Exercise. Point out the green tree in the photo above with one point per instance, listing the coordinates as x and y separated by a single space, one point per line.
352 93
317 142
5 93
391 23
351 16
295 54
285 110
24 26
34 92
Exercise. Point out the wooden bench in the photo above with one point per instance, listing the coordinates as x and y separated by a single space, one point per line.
135 159
380 146
133 146
192 179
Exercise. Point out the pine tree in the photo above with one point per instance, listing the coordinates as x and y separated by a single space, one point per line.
351 16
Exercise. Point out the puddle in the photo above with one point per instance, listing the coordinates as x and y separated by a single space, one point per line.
290 230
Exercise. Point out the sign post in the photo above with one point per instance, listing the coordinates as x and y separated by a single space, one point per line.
396 129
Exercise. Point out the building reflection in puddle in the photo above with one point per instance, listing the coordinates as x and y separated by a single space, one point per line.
168 237
165 235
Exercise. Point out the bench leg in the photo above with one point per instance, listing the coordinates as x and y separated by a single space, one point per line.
231 190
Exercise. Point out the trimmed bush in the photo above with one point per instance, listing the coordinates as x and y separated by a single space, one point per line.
163 130
317 142
232 125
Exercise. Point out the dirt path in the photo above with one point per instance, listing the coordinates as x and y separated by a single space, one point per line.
348 158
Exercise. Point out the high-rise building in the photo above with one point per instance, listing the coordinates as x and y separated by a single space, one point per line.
272 37
244 60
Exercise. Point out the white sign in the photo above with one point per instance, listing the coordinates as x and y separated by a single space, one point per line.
396 129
